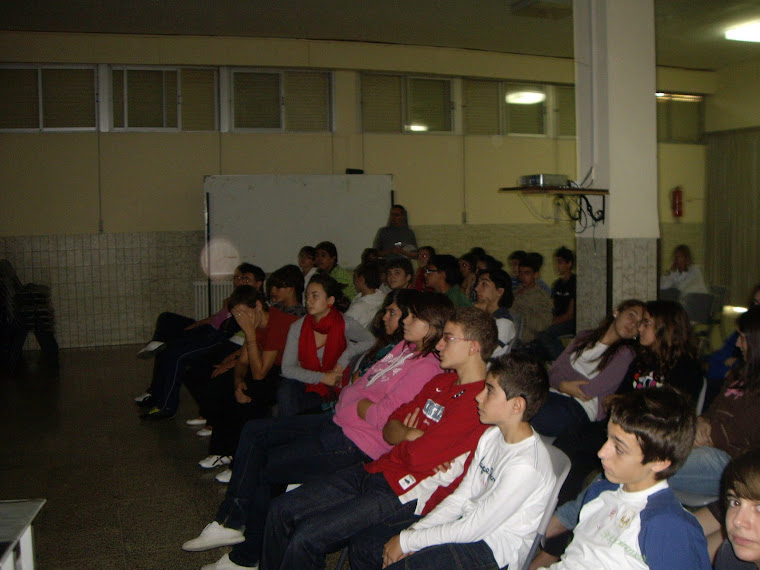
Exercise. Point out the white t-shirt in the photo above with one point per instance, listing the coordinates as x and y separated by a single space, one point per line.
501 500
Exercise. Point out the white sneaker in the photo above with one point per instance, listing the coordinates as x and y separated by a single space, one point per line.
214 536
215 461
204 432
196 421
224 477
224 563
142 397
150 349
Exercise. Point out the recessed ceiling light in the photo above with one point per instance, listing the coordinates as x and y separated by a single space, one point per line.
745 33
525 97
417 128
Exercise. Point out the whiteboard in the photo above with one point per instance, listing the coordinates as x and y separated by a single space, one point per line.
266 219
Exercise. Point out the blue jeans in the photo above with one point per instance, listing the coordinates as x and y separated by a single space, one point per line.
321 517
278 451
292 398
702 472
560 414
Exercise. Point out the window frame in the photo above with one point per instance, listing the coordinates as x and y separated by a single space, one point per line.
41 128
126 127
406 104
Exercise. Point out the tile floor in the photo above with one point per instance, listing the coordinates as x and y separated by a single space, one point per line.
121 493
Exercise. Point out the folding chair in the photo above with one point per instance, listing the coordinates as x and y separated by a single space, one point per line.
561 466
700 307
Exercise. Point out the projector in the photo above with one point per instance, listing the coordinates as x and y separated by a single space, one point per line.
543 180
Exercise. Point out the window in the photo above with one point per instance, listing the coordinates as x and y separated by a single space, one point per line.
289 100
565 107
480 107
395 103
170 98
48 98
680 118
526 108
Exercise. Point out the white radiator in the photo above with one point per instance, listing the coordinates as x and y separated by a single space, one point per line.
220 290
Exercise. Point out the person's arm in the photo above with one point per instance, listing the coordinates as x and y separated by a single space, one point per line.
402 388
568 315
395 431
239 375
358 341
669 542
608 379
514 487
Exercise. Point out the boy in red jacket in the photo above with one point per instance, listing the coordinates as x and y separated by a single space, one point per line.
440 426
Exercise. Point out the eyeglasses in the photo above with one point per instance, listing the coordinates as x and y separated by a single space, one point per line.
429 271
448 339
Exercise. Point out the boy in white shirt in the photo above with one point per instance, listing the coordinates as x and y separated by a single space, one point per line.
490 520
632 519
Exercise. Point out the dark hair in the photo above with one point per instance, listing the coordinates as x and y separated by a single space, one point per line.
534 260
518 254
596 335
501 280
404 215
492 264
674 336
752 294
246 295
402 298
400 262
747 377
371 273
477 251
564 253
329 248
435 309
662 420
742 475
479 326
308 251
449 265
332 289
472 260
430 249
686 251
370 254
520 374
258 272
288 276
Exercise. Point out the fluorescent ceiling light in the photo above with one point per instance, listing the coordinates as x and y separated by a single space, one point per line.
417 128
745 33
525 97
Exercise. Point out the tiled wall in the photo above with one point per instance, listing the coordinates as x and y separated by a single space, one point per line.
109 288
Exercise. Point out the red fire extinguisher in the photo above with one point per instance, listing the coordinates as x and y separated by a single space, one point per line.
676 202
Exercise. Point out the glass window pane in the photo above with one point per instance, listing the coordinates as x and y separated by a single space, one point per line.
663 119
307 101
117 82
198 99
381 103
481 107
170 99
68 98
566 111
685 121
525 109
145 98
19 100
256 99
429 105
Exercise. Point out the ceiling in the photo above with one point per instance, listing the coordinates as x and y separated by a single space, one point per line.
689 32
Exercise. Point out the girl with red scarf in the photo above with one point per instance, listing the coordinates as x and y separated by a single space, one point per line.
318 350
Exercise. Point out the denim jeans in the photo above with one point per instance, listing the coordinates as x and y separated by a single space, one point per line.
292 398
278 451
560 414
170 326
321 517
366 548
702 472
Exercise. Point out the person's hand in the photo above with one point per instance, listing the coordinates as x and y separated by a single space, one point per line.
240 395
392 551
443 467
411 421
703 437
334 376
247 317
573 388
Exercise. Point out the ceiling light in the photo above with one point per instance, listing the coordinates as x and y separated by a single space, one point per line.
525 97
745 33
417 128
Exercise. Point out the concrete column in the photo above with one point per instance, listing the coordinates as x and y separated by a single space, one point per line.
616 120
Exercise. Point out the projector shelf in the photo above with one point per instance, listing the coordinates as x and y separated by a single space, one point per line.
563 190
